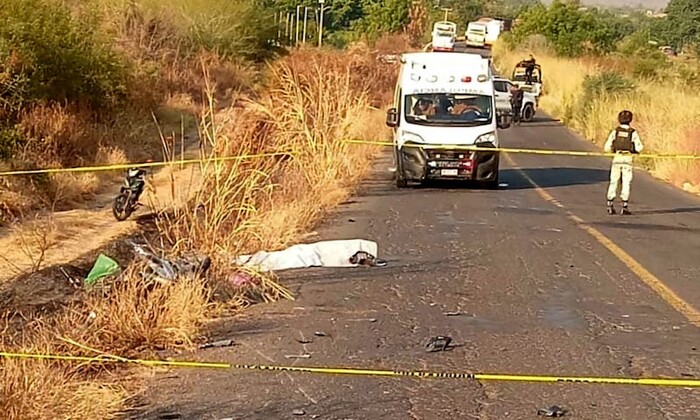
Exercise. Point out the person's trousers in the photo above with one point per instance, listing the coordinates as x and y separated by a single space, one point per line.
516 110
620 171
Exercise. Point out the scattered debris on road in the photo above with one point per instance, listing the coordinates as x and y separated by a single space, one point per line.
439 343
456 313
363 319
320 334
335 253
220 343
553 411
298 412
297 356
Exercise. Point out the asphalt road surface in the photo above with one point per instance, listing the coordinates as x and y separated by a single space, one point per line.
545 281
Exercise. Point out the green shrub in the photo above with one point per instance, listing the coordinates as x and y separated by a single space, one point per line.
49 54
605 83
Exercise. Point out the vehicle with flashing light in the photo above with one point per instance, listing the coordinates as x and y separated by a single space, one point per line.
443 105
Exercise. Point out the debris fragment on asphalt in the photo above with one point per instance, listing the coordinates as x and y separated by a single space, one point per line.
553 411
219 343
305 340
457 313
363 319
438 343
320 334
297 356
298 412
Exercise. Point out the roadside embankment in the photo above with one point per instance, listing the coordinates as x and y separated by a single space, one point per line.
309 103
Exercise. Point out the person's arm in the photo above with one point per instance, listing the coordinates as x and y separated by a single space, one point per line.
609 142
638 146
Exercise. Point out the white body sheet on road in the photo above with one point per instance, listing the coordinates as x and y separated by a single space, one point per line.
335 253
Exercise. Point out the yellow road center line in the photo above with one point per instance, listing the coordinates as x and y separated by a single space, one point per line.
658 286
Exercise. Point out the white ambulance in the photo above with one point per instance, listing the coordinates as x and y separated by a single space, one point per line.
443 101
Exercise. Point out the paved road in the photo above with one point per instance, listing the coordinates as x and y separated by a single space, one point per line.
548 283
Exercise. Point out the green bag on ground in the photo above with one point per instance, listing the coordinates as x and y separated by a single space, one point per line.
104 267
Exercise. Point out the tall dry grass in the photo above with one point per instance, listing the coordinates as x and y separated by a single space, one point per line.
157 48
315 100
667 113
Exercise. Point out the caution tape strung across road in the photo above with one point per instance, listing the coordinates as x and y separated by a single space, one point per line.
365 142
140 165
525 151
675 382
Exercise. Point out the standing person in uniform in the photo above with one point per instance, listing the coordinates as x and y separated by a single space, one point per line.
624 141
529 69
516 103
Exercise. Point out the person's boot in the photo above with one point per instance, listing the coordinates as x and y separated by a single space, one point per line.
625 209
611 209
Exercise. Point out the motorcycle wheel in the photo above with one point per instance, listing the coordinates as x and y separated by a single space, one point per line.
120 208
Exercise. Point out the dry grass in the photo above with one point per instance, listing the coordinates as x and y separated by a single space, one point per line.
315 100
59 135
133 319
667 114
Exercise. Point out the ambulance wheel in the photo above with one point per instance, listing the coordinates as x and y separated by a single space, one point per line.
401 183
528 113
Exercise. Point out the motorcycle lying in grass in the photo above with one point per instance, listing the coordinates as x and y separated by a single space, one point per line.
128 199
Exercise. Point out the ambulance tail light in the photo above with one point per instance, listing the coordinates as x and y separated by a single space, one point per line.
466 79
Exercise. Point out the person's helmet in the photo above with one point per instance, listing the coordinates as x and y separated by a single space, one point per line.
133 172
625 117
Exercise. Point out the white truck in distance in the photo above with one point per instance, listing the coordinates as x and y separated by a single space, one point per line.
493 30
475 35
442 102
444 36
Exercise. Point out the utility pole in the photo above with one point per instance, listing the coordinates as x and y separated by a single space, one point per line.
320 25
446 10
297 28
306 15
286 27
278 21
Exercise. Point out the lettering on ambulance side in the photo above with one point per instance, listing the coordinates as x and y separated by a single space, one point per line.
448 90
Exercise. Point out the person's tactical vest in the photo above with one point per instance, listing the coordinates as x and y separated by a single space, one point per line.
623 140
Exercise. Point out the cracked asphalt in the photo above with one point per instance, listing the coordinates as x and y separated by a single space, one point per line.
537 294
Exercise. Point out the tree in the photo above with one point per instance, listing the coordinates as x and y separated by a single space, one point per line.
573 30
681 27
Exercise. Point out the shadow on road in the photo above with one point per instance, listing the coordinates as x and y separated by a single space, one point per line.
677 210
382 184
647 226
543 122
552 177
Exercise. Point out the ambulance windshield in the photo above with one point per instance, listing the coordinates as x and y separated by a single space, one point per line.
449 110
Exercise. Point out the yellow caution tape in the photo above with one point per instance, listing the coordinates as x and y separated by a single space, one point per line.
692 383
140 165
525 151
